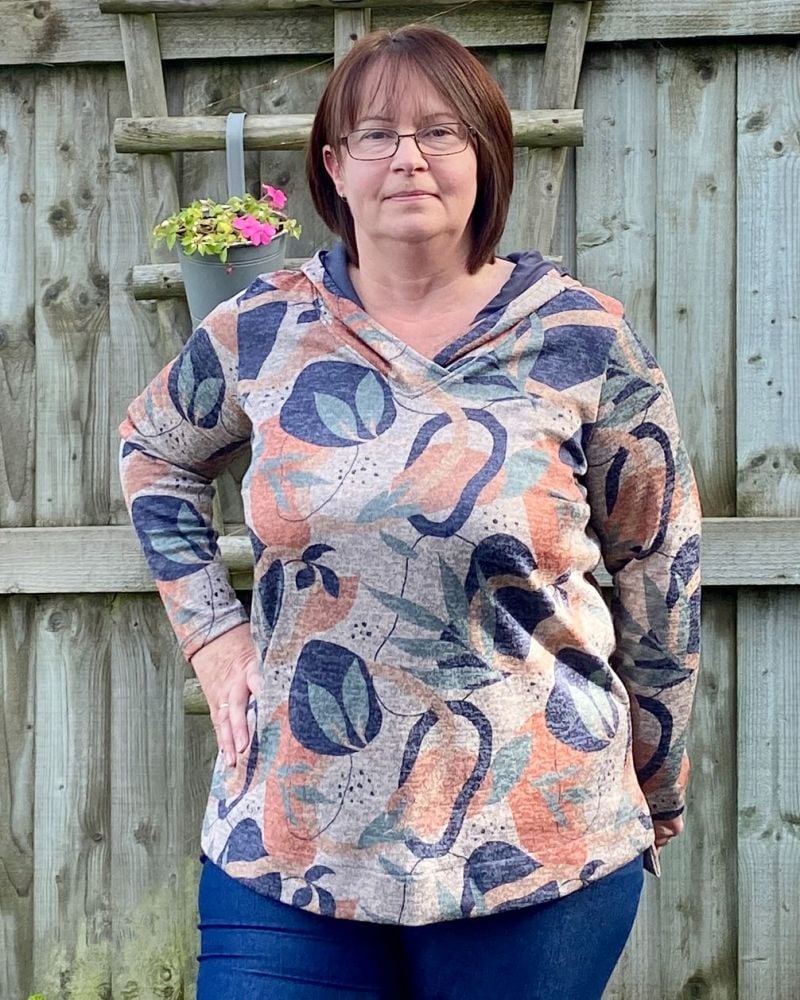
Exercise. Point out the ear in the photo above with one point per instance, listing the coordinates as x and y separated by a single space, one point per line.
333 167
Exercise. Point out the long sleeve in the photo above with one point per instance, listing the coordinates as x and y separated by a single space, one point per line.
646 514
177 436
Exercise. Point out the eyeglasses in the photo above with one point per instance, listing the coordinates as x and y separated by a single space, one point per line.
441 139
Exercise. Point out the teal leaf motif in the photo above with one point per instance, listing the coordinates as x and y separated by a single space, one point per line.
656 605
355 695
384 504
593 711
409 611
309 795
327 714
399 546
186 382
457 678
508 764
336 415
455 598
370 402
173 547
206 398
392 869
523 470
381 830
631 407
448 904
429 649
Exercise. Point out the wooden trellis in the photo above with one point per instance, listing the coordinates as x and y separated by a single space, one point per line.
151 132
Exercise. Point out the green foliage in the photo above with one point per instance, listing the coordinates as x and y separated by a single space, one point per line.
208 227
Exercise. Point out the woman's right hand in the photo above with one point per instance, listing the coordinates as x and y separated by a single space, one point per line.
227 669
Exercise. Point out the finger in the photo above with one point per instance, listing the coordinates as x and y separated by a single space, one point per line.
222 727
239 695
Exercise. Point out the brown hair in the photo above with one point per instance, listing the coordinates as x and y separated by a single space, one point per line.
460 79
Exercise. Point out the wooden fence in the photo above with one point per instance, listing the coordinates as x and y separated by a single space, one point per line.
684 202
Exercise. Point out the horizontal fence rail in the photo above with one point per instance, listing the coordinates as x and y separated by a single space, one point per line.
74 31
532 129
165 281
737 552
227 7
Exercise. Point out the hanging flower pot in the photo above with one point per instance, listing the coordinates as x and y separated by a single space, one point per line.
224 246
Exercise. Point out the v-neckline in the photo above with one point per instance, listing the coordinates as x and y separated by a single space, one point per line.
410 372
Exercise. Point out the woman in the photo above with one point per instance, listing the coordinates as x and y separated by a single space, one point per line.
432 716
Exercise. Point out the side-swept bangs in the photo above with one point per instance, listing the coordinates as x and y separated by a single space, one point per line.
383 64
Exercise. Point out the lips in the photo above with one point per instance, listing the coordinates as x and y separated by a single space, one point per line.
411 194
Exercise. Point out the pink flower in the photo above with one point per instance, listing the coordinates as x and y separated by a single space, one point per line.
274 195
257 233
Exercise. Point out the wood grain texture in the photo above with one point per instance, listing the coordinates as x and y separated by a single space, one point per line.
75 31
768 290
72 317
696 211
519 76
17 276
684 942
737 552
141 344
768 458
558 87
769 794
237 7
72 874
146 771
616 181
16 795
552 127
348 27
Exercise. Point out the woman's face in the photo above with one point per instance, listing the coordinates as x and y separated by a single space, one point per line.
375 189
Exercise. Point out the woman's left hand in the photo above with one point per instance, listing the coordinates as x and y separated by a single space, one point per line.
667 829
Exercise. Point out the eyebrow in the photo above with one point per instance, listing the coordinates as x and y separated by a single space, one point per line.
425 118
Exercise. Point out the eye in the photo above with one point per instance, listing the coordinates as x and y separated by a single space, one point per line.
376 134
439 131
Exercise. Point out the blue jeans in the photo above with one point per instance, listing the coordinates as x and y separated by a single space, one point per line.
254 948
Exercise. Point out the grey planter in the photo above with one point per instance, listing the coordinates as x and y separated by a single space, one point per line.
208 281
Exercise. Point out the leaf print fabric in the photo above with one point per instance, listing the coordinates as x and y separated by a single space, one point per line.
452 720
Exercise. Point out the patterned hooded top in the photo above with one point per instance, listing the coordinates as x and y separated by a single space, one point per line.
452 721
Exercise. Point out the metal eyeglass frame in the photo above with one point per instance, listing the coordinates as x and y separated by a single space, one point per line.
471 132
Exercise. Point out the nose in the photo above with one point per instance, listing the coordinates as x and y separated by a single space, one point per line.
408 155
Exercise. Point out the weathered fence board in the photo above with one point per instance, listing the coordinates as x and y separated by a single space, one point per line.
16 794
768 794
72 873
768 292
696 211
768 428
72 323
17 400
76 31
616 181
147 822
684 941
519 75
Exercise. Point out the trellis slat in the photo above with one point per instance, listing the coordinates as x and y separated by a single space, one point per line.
552 127
563 59
736 552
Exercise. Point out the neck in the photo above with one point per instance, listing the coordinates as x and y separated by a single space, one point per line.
405 276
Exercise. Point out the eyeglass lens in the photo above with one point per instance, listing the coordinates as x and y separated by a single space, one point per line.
437 140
